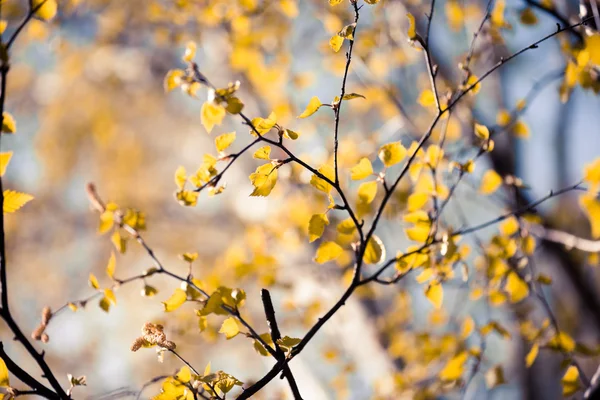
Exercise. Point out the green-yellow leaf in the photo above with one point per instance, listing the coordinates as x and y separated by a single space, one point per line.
316 226
263 180
392 153
4 160
264 153
351 96
328 251
361 170
375 251
435 294
224 141
175 301
490 182
313 105
230 328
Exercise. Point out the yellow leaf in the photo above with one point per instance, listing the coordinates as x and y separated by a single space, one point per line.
15 200
435 293
516 288
46 9
562 342
328 251
263 125
316 226
375 251
224 141
361 170
180 177
591 174
321 184
184 375
494 377
372 1
335 2
347 33
173 79
112 265
289 8
412 27
230 328
93 281
190 52
3 25
591 206
482 132
175 301
9 125
264 153
211 114
313 105
592 45
187 198
418 233
454 367
532 355
110 295
490 182
570 381
392 153
119 242
263 180
467 328
503 118
4 160
521 130
473 80
4 380
367 192
346 227
416 201
426 98
336 42
510 226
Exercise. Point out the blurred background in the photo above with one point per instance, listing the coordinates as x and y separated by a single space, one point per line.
87 92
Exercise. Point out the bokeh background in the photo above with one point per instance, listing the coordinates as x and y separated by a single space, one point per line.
87 92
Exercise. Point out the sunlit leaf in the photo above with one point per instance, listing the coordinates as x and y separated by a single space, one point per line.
392 153
328 251
375 251
263 180
570 381
532 355
321 184
47 9
190 52
316 226
223 141
361 170
112 264
9 125
93 282
175 301
490 182
346 227
412 27
435 294
313 105
4 379
455 367
211 114
4 160
264 153
482 132
230 328
336 42
367 192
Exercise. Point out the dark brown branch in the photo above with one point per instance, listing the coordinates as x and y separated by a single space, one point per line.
38 388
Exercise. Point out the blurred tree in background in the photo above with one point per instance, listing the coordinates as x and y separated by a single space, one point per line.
370 199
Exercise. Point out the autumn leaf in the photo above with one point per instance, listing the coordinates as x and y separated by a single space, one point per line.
223 141
532 355
4 379
46 9
263 180
412 27
313 106
361 170
375 251
4 160
482 132
175 301
455 367
93 282
392 153
230 328
336 42
570 381
9 125
112 264
264 153
316 226
435 294
490 182
321 184
328 251
211 114
15 200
